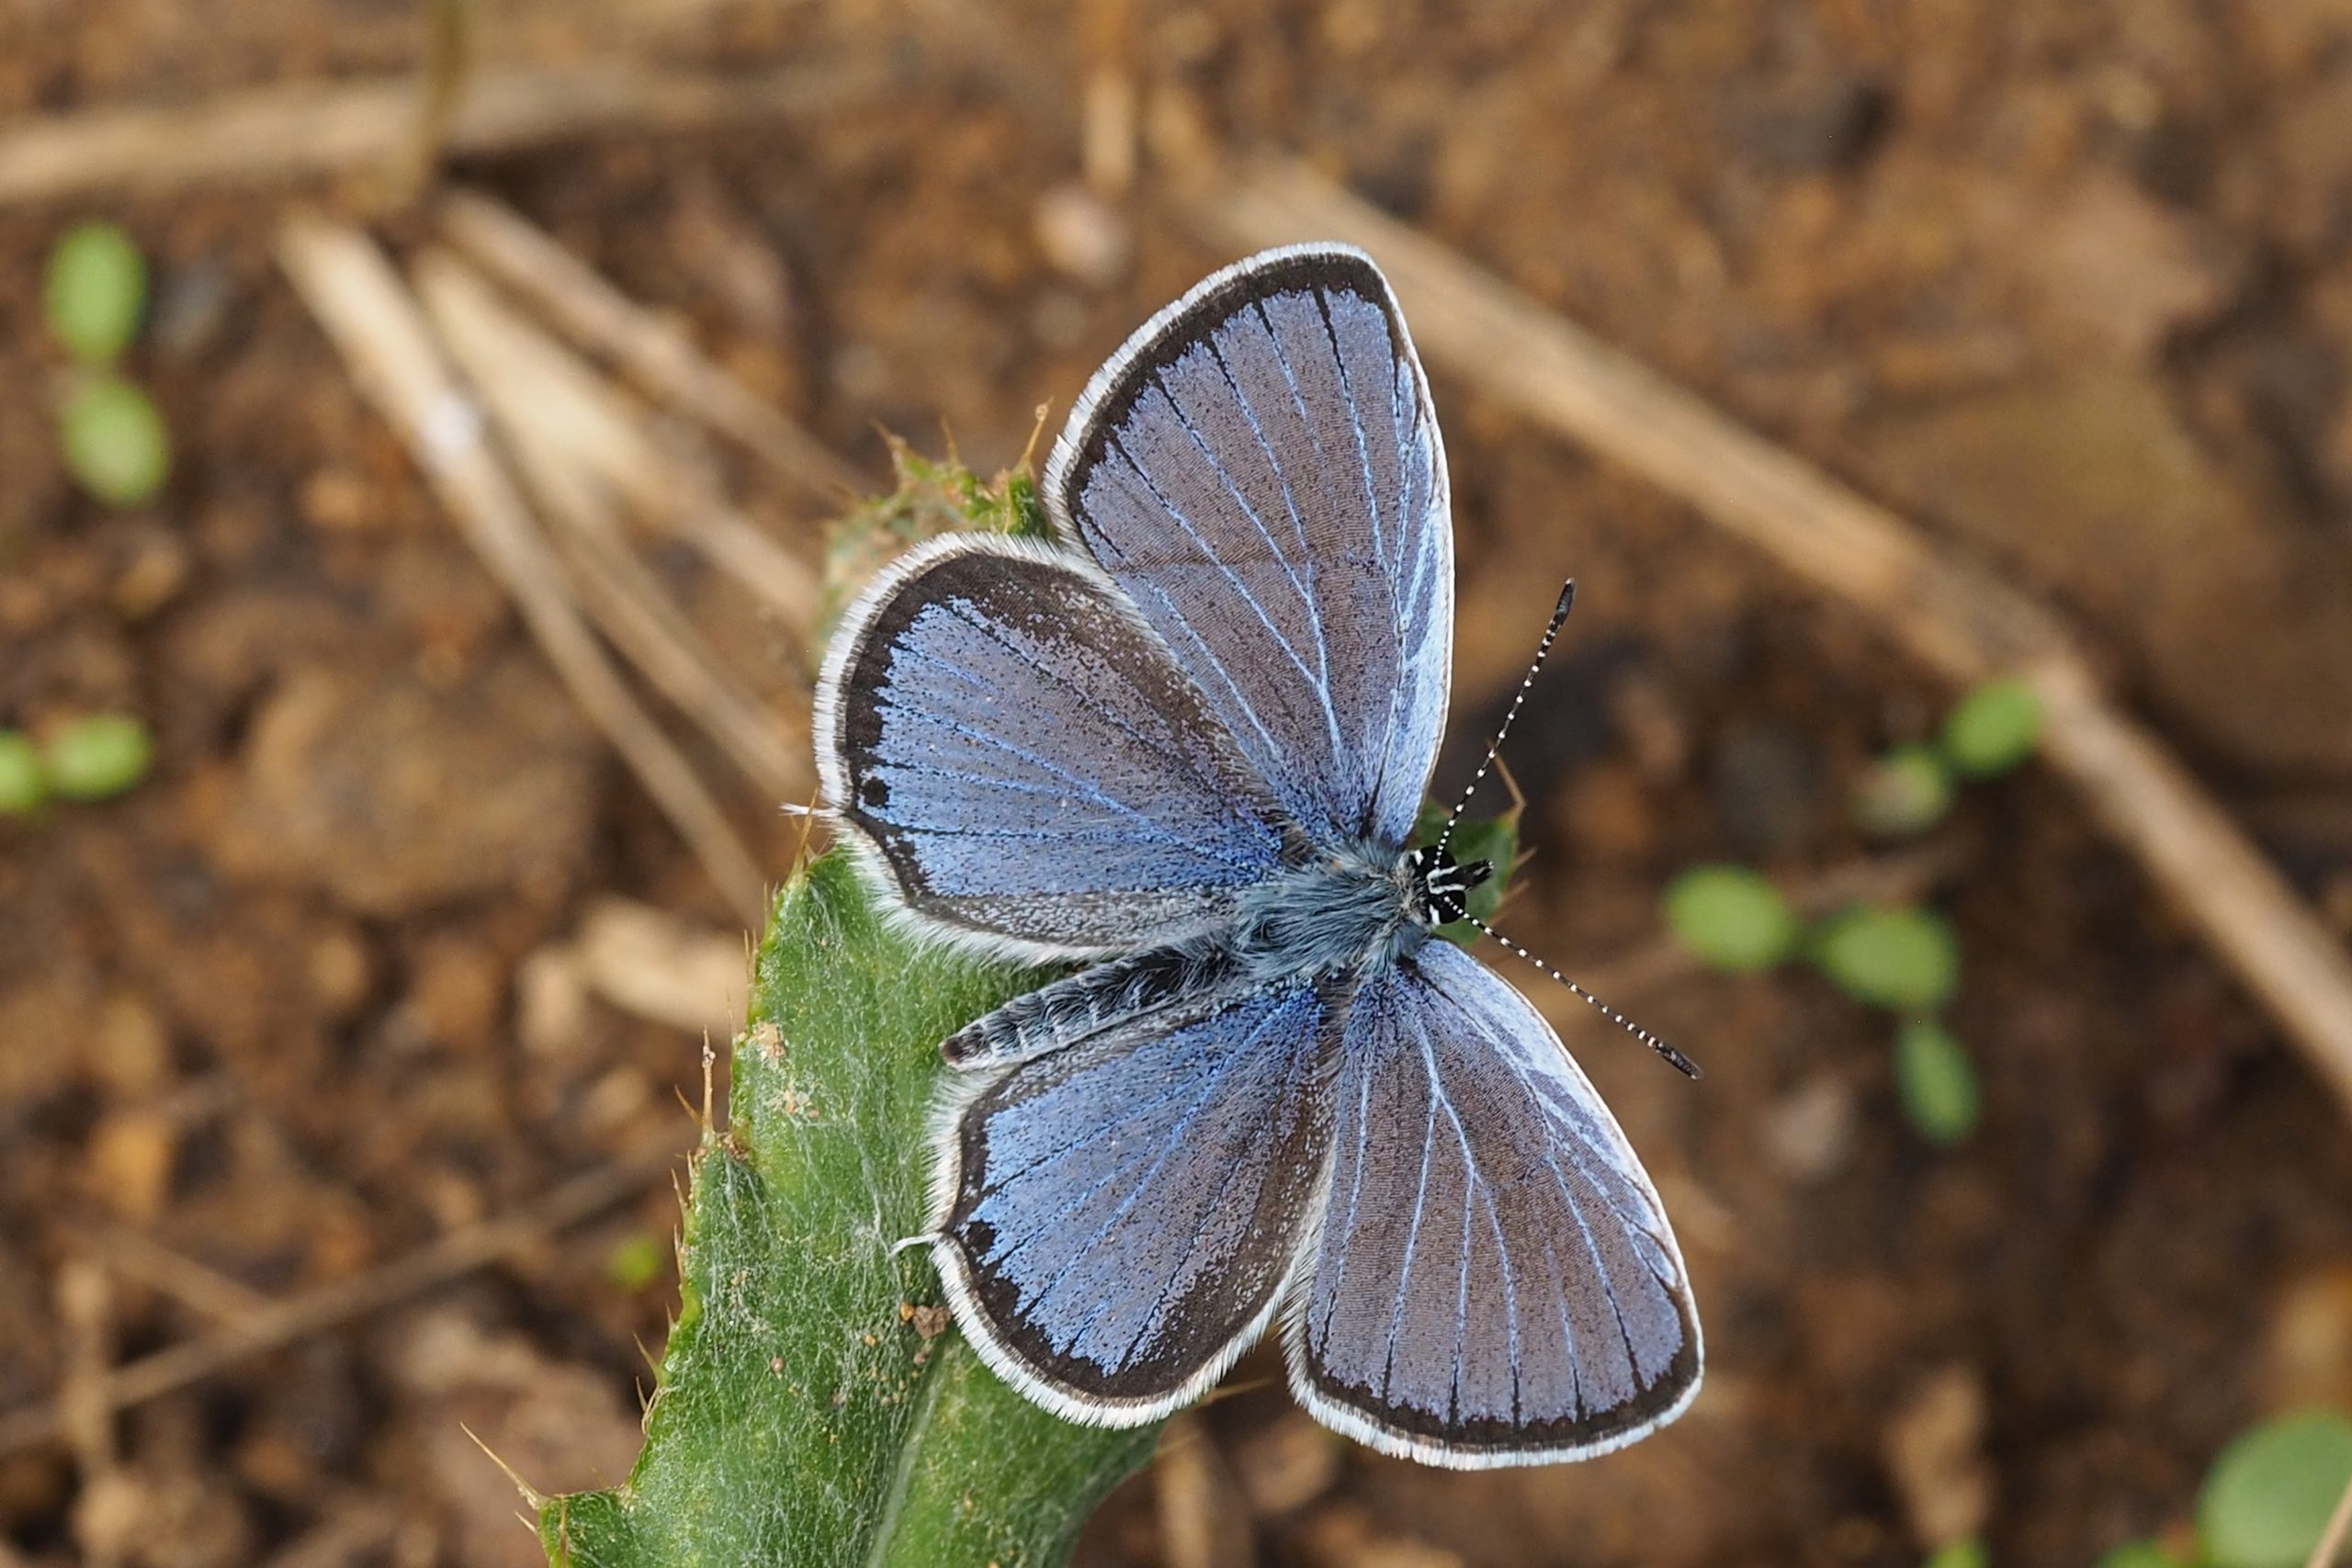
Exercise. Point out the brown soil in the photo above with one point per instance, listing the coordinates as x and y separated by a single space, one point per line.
2071 283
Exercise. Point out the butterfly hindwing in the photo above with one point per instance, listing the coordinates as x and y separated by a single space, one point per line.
1026 762
1495 1281
1260 470
1116 1220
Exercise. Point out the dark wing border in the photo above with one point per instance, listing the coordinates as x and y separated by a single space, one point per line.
1164 339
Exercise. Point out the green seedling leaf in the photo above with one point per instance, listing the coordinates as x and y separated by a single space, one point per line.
1731 917
636 1261
1993 728
1906 792
1936 1082
1904 960
96 288
2271 1491
1494 839
1959 1554
22 788
815 1406
115 442
96 757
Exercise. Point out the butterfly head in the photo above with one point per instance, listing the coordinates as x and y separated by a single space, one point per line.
1441 885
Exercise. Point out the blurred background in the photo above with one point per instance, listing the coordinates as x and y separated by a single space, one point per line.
418 430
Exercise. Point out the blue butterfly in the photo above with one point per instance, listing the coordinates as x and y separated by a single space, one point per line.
1185 746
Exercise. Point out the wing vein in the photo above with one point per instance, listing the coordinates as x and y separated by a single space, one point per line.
1167 1152
1079 785
1321 689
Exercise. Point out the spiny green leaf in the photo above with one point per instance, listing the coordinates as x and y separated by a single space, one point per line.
815 1408
930 499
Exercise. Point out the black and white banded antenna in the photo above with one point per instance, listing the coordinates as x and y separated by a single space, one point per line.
1494 747
1674 1058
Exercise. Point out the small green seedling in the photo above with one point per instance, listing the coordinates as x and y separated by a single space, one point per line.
1989 731
115 442
96 292
96 757
1731 917
1936 1081
2269 1495
1904 960
1901 959
22 790
636 1261
1993 728
1959 1554
1907 792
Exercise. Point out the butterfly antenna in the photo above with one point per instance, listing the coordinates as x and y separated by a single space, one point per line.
1674 1058
1494 747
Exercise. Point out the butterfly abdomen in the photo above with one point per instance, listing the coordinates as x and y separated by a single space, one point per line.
1069 1009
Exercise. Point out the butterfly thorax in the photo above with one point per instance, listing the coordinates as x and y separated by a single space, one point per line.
1344 909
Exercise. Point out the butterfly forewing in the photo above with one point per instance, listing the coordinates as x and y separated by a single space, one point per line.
1260 470
1026 760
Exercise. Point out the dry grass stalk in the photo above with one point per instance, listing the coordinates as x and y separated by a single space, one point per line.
329 1306
532 387
384 337
313 128
525 259
608 431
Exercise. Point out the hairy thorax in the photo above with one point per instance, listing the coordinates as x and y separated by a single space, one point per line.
1342 910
